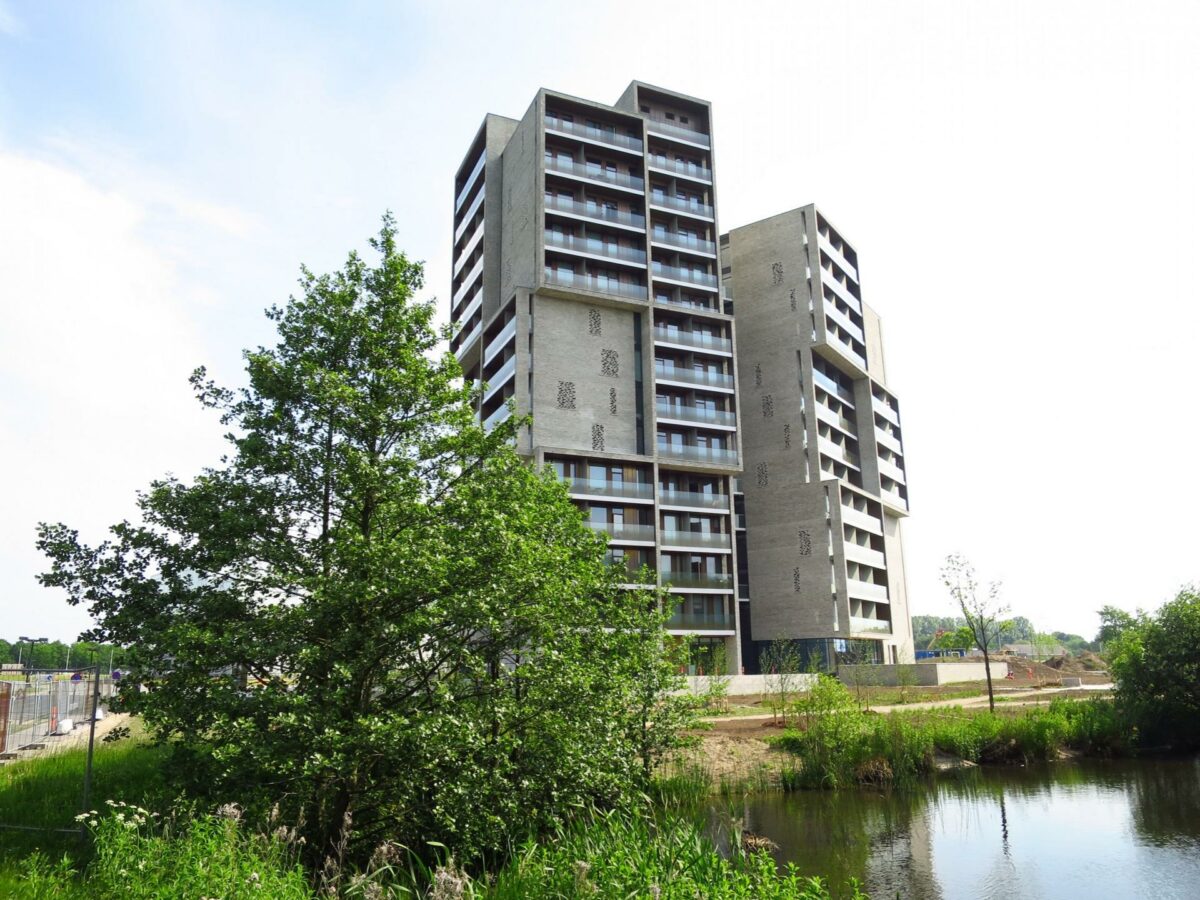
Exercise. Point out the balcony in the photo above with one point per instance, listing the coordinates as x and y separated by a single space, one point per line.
719 455
468 217
865 521
679 167
842 291
693 500
599 487
620 180
719 581
684 241
687 276
464 314
690 207
889 440
593 134
739 520
692 339
866 590
470 182
496 344
703 540
682 412
468 338
865 555
625 533
718 380
859 625
844 346
584 282
886 411
678 132
597 212
503 374
894 499
833 387
467 283
499 415
844 321
836 255
707 305
838 452
829 417
892 471
595 247
463 256
690 621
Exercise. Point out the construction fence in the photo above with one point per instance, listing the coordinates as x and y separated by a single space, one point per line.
37 704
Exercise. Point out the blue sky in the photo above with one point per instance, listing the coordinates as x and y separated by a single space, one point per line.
1019 180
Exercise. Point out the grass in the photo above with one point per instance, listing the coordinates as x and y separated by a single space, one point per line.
847 747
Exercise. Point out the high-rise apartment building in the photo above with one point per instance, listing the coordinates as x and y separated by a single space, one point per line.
586 286
824 485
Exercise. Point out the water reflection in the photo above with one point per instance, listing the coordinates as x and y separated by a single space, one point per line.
1092 829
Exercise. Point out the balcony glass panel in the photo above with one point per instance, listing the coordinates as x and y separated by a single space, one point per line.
692 376
692 276
693 499
592 283
502 375
701 539
833 387
718 580
693 207
470 182
859 625
686 303
720 455
612 250
688 413
500 414
596 211
468 216
693 339
680 167
686 241
714 621
671 129
620 532
602 135
497 343
602 488
596 173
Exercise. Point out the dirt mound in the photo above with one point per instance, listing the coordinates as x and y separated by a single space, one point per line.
1076 665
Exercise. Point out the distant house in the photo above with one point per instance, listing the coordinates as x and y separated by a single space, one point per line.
1040 651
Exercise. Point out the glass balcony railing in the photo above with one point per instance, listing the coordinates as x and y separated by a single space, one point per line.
595 247
680 167
886 411
496 344
694 376
466 218
866 590
693 499
464 339
847 324
691 276
686 413
719 455
498 415
601 135
585 282
596 173
707 305
710 540
685 241
466 284
621 532
692 207
600 487
863 520
859 625
496 381
596 211
671 129
690 621
740 521
721 581
833 387
693 339
470 182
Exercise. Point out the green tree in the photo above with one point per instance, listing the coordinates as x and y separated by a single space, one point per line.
1113 622
1155 663
961 638
982 611
373 612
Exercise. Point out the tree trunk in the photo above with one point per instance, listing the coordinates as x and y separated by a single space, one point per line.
987 668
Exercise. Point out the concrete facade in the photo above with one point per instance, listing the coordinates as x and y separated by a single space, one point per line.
824 484
586 291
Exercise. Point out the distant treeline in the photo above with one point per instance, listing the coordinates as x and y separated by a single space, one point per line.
59 655
1018 630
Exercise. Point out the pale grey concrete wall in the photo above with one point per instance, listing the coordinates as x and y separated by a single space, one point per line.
923 673
747 685
521 239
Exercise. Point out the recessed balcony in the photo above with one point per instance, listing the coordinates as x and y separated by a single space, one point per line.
693 500
719 581
594 247
596 211
621 533
698 304
700 539
683 412
692 339
860 554
836 255
889 440
829 417
679 167
892 471
502 375
500 414
599 487
467 283
842 291
859 625
684 242
836 451
619 180
601 285
591 133
721 456
866 590
690 207
709 621
861 520
496 344
677 132
686 276
833 387
886 411
844 321
470 182
717 380
468 216
463 342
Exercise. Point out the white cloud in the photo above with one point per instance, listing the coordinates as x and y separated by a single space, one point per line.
9 23
96 343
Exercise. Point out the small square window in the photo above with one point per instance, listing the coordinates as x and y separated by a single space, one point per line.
671 116
645 109
683 119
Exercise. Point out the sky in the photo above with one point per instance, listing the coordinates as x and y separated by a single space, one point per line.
1019 180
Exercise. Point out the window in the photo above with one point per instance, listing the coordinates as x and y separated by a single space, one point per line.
671 116
645 109
683 119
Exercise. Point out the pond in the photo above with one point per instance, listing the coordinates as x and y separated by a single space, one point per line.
1091 829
